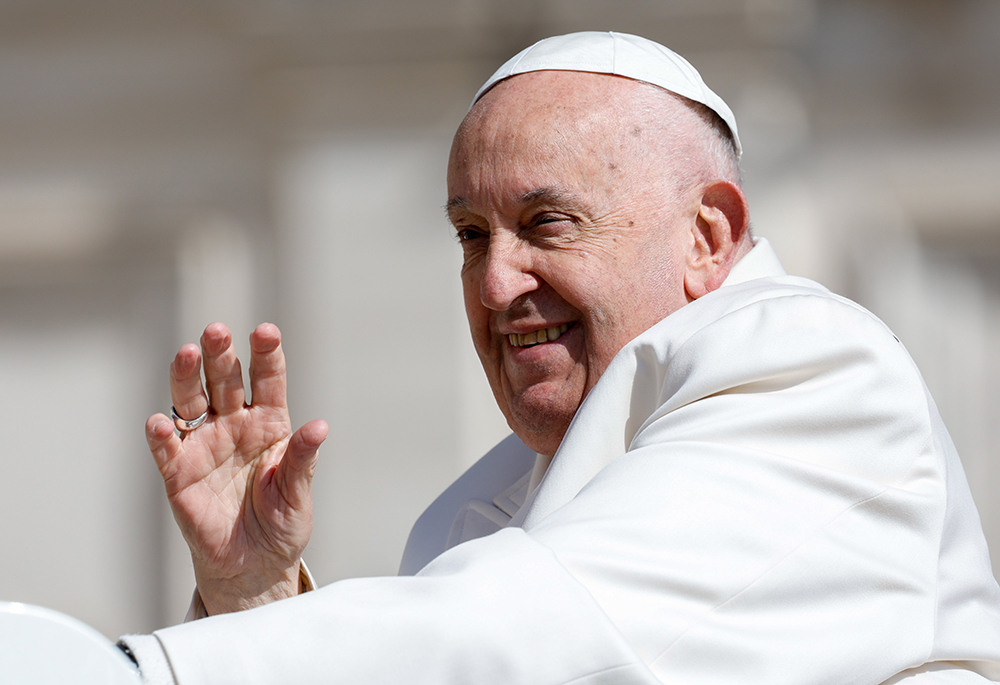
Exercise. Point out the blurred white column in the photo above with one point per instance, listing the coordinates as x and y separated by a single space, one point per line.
215 277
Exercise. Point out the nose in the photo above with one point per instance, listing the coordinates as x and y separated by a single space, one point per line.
508 273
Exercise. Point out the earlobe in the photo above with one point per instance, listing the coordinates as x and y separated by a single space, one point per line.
719 238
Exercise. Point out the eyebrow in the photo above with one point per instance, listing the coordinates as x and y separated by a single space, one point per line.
455 203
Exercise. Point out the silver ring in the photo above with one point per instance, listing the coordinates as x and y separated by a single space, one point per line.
183 425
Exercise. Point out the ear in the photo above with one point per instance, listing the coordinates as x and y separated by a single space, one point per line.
719 238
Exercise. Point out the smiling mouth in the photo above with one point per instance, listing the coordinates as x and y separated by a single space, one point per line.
537 337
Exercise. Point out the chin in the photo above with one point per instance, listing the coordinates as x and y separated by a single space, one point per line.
539 428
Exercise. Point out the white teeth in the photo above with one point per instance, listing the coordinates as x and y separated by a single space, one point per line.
539 336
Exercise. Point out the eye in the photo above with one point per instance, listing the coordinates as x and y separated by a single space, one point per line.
468 234
547 223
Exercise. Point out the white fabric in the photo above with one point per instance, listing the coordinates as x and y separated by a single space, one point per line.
758 490
621 54
146 650
501 468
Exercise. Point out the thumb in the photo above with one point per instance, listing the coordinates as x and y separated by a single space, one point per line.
163 444
295 471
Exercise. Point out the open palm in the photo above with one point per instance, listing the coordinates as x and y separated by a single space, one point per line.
240 484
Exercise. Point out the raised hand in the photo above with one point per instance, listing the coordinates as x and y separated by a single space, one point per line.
240 485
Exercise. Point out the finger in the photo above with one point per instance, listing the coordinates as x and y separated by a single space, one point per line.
186 391
294 473
223 376
267 367
164 445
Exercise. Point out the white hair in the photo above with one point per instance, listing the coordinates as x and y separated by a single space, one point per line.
702 147
718 139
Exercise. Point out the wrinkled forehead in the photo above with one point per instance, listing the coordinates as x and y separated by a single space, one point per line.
587 135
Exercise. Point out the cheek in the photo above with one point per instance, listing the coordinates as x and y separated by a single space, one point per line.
626 306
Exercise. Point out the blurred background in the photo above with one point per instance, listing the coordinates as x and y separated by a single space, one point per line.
169 163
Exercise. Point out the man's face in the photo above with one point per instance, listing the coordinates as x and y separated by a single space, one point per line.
573 237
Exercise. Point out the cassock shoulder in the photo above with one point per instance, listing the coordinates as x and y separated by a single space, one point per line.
495 472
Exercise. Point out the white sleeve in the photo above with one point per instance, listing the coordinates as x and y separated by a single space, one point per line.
148 653
497 609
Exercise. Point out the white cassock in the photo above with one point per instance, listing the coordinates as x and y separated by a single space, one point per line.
758 490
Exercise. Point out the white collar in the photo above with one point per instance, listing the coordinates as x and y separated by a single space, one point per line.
759 262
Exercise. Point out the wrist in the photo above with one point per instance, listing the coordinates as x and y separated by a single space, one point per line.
228 595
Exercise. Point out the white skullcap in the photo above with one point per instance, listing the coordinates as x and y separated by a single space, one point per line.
620 54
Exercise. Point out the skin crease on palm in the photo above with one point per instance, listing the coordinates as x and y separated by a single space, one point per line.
585 200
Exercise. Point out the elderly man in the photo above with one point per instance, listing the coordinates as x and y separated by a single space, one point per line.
720 473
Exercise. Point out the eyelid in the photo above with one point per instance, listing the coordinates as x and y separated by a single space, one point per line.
542 219
559 213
